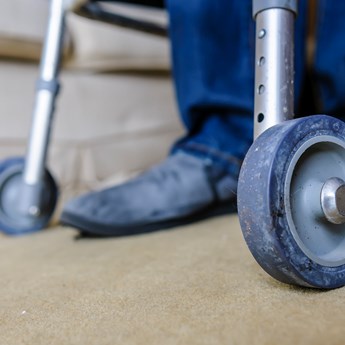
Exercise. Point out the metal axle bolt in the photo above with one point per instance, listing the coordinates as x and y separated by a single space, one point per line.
333 200
34 211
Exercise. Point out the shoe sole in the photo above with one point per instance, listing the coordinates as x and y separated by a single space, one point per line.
89 229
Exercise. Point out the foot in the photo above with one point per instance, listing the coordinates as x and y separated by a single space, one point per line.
180 190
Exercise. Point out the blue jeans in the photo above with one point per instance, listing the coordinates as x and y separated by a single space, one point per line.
213 44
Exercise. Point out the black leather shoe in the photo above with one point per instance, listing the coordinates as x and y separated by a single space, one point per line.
181 190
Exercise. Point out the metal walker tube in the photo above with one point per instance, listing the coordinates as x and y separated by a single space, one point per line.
274 62
47 90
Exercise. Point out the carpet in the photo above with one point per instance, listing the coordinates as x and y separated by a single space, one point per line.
196 284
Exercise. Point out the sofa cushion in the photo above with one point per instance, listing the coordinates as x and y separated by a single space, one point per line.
22 28
96 46
106 128
104 47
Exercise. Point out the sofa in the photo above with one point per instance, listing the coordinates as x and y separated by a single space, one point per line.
116 113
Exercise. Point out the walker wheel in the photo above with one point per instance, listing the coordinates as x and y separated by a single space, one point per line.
291 201
12 221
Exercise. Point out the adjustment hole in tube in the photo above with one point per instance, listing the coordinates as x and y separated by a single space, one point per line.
262 33
261 89
261 117
261 61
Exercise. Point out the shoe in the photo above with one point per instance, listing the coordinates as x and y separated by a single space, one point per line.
181 190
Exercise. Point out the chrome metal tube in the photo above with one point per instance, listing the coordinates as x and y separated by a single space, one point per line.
274 72
45 96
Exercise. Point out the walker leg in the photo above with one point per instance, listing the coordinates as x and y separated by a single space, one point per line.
28 193
47 90
291 191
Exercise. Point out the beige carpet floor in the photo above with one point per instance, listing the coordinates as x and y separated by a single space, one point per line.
193 285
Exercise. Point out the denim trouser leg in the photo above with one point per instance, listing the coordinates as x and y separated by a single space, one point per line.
213 46
329 61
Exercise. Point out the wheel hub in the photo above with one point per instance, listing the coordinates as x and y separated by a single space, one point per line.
333 200
315 199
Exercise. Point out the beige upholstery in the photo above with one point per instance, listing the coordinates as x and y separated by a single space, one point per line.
88 44
99 47
105 125
22 29
22 25
75 4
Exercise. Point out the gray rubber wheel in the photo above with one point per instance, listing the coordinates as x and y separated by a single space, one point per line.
12 221
292 228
